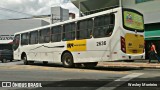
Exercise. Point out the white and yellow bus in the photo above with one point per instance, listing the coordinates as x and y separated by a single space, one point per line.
114 34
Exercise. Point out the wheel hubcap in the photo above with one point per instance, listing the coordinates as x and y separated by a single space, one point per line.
67 61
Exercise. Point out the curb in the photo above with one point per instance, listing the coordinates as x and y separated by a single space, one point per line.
129 65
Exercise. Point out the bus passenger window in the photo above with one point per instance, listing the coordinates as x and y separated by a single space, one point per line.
69 32
24 39
56 33
16 42
44 35
33 37
84 29
103 26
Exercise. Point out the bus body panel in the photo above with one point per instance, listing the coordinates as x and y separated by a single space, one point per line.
92 50
50 52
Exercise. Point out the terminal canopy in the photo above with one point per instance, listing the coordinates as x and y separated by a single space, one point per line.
93 5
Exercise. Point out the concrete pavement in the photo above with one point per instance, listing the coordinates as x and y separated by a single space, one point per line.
136 64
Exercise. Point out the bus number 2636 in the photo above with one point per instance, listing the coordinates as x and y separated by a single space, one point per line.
101 43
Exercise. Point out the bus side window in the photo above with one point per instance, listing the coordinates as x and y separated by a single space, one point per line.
103 26
69 32
84 29
33 37
24 39
111 25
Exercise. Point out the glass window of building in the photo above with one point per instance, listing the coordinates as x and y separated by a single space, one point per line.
84 29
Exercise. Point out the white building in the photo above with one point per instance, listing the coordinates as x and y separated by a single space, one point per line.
59 14
9 27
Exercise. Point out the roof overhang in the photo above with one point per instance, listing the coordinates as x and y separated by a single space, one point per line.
92 5
152 35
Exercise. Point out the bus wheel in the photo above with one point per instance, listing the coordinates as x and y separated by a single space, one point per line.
67 60
25 60
31 62
11 60
90 65
4 60
45 62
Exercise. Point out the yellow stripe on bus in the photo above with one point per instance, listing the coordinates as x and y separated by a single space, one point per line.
76 45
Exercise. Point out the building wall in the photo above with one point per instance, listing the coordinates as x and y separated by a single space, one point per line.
65 14
9 27
150 9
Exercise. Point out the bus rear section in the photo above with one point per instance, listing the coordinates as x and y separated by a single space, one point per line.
132 38
132 45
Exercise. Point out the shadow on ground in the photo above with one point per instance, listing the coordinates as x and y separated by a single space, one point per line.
102 68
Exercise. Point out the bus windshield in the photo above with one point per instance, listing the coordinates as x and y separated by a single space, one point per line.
133 20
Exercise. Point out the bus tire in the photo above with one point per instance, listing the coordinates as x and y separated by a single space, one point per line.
25 60
4 60
45 62
67 60
78 65
90 65
31 62
11 60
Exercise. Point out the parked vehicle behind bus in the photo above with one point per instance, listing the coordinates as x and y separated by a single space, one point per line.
6 52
